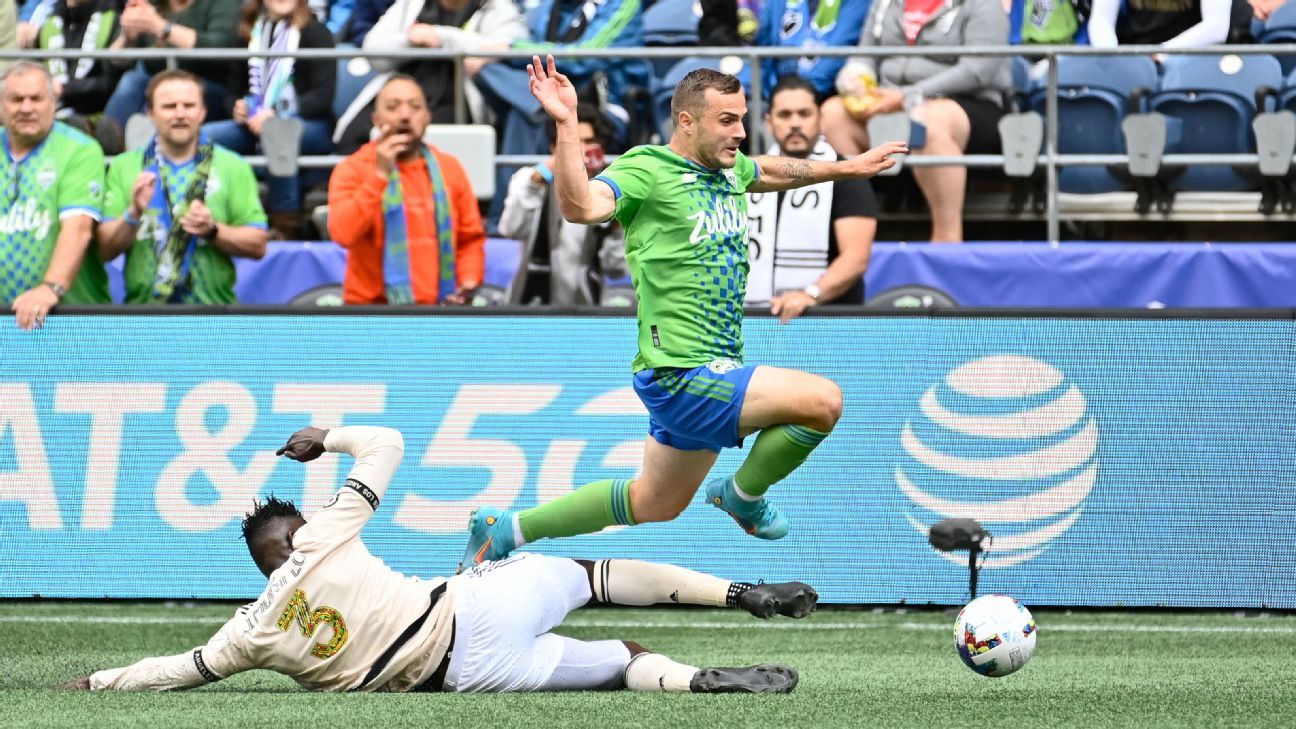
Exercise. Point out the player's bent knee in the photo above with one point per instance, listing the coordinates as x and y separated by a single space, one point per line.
824 407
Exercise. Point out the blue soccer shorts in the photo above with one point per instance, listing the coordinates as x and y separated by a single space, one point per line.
697 409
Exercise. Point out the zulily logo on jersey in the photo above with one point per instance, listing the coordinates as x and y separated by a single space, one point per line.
25 217
723 219
1005 440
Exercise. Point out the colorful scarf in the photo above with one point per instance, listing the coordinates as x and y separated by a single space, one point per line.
270 80
172 246
824 20
396 253
98 34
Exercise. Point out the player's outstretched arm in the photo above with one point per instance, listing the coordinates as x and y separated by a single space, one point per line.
785 173
579 199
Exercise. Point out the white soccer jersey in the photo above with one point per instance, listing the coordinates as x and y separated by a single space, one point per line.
334 617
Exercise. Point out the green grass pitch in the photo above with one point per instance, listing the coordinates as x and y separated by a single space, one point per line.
858 669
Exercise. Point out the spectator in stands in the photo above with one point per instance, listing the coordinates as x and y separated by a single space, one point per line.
53 177
450 24
405 212
728 22
335 15
959 99
280 87
84 85
1171 23
181 208
177 24
808 246
8 29
554 26
1046 22
809 24
364 14
568 248
31 16
1262 9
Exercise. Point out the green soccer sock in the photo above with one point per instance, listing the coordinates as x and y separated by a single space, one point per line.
584 511
777 452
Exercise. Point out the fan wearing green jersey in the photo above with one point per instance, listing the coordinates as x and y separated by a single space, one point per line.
53 178
684 210
182 208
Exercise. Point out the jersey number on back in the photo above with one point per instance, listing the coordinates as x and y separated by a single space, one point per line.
308 620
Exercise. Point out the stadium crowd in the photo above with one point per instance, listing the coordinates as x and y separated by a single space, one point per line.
179 204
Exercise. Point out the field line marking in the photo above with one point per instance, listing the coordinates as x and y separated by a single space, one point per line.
578 622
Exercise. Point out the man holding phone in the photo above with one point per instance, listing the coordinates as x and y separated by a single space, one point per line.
570 250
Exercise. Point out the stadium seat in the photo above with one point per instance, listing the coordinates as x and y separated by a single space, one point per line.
353 74
671 23
1093 98
1287 94
664 89
139 131
474 145
1280 28
1214 97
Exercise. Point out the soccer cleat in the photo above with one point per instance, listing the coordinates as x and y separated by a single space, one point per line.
490 537
793 599
758 518
767 678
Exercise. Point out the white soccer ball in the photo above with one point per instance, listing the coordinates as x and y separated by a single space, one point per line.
995 635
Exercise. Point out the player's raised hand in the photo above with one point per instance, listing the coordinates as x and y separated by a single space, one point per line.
305 445
878 159
553 90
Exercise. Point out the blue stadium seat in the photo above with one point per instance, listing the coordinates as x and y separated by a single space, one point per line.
1279 28
664 89
349 82
1287 94
1093 98
670 23
1214 99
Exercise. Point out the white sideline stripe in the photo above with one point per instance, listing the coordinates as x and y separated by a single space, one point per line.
785 625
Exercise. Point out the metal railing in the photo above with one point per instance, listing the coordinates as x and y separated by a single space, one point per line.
751 56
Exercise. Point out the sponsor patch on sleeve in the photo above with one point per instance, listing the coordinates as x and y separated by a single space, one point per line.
364 491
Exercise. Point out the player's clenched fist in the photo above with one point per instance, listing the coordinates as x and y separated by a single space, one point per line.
306 444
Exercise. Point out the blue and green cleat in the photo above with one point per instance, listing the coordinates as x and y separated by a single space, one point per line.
490 537
758 518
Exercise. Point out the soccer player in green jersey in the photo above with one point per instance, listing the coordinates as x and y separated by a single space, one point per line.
53 184
182 207
684 210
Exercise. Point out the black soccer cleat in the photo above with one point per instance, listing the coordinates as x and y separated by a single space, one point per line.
767 678
793 599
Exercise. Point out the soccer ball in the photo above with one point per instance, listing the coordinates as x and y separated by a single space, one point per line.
994 635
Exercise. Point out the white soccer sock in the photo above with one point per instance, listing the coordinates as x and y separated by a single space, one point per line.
733 486
518 539
657 673
631 582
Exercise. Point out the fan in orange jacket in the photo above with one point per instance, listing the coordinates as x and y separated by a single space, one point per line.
394 182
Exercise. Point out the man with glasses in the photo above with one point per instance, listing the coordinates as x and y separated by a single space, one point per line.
52 178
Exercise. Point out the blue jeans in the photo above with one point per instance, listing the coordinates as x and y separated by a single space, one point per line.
128 98
285 192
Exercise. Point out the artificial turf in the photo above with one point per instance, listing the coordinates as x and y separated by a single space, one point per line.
858 669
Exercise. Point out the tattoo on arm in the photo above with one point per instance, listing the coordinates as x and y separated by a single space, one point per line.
797 171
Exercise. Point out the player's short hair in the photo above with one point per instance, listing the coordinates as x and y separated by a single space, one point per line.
24 67
791 82
263 512
690 92
591 114
171 74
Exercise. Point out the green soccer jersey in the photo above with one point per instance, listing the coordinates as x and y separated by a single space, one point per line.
232 198
686 246
61 178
